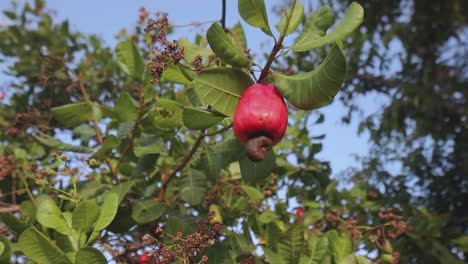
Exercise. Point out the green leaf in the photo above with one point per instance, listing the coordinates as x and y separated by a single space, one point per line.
192 186
351 259
318 250
211 163
13 223
225 48
85 215
166 114
28 210
121 190
228 150
72 115
196 118
237 35
129 59
252 172
316 26
315 89
221 88
253 193
39 248
461 243
290 247
56 144
126 108
148 144
180 223
291 20
254 13
110 142
108 211
49 215
192 50
89 255
145 211
5 250
312 215
272 257
174 74
309 39
340 245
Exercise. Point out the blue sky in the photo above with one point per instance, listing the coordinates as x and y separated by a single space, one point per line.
107 17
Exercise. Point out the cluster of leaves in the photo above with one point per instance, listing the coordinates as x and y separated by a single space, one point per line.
153 146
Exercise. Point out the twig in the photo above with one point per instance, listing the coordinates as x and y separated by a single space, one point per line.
10 209
93 120
181 166
223 16
217 132
266 69
141 106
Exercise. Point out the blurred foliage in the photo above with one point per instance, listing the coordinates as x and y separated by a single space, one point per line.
412 55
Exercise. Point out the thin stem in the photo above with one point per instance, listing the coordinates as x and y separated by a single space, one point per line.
141 106
223 16
93 120
181 166
266 69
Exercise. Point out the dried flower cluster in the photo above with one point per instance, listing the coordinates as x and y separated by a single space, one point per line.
7 164
23 120
163 51
185 249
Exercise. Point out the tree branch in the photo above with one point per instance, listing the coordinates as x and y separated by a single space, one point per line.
93 120
181 166
10 209
266 69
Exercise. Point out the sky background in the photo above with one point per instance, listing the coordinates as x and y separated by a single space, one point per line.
106 18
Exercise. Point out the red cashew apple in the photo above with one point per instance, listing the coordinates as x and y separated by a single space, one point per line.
260 120
144 259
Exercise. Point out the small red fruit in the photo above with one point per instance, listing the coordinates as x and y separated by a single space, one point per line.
144 259
260 120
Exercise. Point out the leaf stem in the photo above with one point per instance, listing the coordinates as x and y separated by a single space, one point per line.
266 69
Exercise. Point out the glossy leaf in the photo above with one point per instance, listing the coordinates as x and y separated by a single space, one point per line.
315 89
39 248
237 35
5 249
252 172
318 250
316 26
308 40
254 13
272 257
211 163
192 50
340 245
196 118
89 255
147 144
85 215
56 144
221 88
166 114
193 186
225 48
108 211
290 247
291 20
129 59
174 74
145 211
72 115
126 108
351 259
253 193
13 223
49 215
